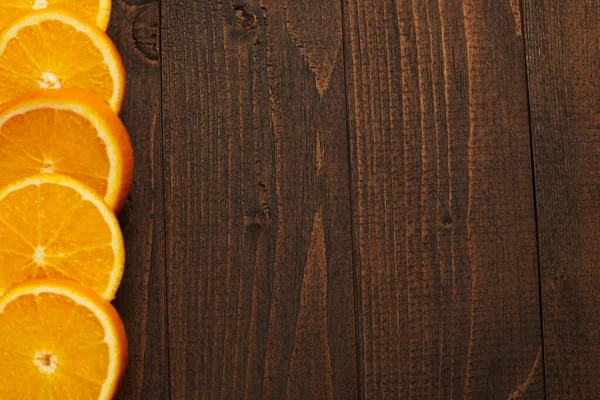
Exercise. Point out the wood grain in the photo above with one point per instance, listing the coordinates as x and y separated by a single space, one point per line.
444 218
141 298
267 199
564 70
259 246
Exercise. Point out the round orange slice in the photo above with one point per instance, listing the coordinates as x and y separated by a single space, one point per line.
93 11
66 131
59 340
54 226
52 49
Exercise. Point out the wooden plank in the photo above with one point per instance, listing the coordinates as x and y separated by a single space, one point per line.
563 61
259 247
443 201
141 298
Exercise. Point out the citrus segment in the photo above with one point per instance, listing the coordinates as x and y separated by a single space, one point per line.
53 226
66 131
52 49
59 340
93 11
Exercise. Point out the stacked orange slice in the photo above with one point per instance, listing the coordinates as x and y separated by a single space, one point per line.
53 49
66 131
59 340
54 226
66 167
91 11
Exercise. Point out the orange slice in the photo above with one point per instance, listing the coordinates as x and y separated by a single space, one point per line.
66 131
51 49
93 11
59 340
53 226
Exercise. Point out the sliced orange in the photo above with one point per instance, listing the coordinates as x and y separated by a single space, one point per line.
59 340
66 131
52 49
54 226
93 11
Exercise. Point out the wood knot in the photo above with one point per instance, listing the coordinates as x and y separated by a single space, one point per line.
245 20
564 274
257 220
447 221
243 26
146 32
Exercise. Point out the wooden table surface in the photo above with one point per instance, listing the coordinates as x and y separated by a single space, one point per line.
362 199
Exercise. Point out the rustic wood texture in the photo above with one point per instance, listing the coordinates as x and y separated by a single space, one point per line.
141 298
259 245
448 301
335 199
563 52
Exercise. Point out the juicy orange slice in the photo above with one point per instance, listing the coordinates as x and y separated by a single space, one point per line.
93 11
51 49
66 131
59 340
53 226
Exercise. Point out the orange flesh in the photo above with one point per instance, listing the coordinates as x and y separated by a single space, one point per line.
48 141
51 231
93 11
54 345
53 50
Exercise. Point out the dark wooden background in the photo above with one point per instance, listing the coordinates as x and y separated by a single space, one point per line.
362 199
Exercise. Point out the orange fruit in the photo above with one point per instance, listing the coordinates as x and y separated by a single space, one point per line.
54 226
66 131
93 11
59 340
52 49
